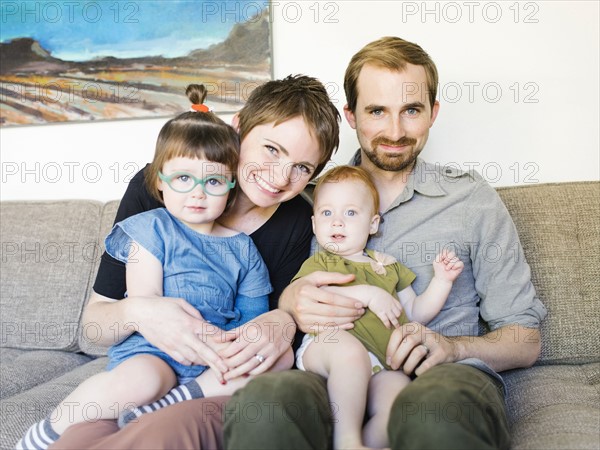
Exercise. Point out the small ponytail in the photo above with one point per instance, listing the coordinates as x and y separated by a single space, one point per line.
196 93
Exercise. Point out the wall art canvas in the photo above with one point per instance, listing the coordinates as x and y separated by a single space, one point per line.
99 60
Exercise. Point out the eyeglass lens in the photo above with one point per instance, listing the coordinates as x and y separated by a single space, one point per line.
212 185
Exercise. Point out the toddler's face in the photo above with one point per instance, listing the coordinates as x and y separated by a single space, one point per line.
196 208
343 217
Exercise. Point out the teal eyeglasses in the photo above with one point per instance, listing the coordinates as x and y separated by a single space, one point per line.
183 182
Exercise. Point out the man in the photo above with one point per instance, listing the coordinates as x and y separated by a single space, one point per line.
456 399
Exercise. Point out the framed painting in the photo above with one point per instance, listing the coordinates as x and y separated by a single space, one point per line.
100 60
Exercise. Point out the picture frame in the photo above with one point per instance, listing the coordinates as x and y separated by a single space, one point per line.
93 61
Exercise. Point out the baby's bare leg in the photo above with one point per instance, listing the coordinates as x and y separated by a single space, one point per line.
347 367
384 387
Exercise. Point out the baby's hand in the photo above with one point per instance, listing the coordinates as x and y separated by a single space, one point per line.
387 308
447 266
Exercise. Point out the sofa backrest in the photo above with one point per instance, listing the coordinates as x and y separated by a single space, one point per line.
90 334
48 251
559 227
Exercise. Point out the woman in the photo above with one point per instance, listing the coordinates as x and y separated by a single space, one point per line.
288 129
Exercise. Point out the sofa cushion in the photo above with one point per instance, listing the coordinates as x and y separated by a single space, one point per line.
48 250
89 335
554 406
559 227
24 369
19 412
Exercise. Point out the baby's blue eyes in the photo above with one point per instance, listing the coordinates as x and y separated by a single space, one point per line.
350 213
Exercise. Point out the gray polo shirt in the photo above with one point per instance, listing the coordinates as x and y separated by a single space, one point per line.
443 207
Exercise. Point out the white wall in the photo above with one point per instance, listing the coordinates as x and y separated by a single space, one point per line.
518 92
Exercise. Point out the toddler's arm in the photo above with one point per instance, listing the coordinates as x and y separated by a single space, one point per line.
143 273
447 267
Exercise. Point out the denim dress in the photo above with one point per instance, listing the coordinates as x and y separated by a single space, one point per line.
224 278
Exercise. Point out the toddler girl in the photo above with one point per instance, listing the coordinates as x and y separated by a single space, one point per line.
177 251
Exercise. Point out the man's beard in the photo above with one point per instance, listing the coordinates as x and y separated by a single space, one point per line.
393 162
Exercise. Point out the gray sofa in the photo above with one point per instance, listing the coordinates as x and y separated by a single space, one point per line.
51 249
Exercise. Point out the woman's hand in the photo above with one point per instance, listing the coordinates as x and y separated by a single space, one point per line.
256 346
315 309
175 327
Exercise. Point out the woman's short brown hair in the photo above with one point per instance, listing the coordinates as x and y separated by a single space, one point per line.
392 53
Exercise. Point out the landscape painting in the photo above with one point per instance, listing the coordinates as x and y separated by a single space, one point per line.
87 61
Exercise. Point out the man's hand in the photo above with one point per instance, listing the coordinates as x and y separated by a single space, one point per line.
314 308
415 348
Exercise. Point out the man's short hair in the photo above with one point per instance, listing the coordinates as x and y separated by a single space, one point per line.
391 53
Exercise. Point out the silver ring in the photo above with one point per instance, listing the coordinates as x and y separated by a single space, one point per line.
426 349
260 358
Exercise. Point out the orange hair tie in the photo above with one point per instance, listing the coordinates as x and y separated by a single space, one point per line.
200 108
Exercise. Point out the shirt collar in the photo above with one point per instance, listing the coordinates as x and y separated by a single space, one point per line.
424 178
